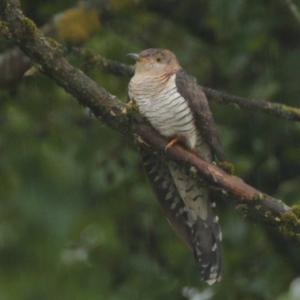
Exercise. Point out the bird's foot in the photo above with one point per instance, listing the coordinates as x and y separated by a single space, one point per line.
171 143
130 106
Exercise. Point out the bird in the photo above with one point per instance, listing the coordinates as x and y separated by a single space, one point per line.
176 106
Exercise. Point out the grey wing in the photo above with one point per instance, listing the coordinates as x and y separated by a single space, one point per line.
187 207
187 86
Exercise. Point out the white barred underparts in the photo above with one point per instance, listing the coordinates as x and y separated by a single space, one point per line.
164 107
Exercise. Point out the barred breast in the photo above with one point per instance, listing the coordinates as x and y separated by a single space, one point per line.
161 103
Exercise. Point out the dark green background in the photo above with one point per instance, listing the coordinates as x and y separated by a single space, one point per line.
77 217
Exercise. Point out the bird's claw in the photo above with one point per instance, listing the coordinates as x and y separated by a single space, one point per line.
171 143
129 107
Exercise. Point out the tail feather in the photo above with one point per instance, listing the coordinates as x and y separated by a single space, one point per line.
188 208
205 230
166 191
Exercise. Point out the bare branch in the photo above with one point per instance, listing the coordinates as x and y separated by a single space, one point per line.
267 209
96 60
271 108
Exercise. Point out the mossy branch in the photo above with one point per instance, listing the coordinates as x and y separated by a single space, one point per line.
73 26
283 219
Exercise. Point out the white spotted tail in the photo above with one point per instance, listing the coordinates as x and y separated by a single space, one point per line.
205 233
187 206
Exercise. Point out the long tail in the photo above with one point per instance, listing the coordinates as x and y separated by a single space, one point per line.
203 223
188 208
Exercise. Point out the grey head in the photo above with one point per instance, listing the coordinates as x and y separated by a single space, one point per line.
156 61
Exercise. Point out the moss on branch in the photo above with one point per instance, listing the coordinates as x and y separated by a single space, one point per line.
4 30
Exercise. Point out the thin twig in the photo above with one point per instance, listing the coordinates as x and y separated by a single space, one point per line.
272 108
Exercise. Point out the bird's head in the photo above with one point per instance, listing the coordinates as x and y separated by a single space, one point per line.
155 61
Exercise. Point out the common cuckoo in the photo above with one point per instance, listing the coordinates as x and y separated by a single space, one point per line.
177 108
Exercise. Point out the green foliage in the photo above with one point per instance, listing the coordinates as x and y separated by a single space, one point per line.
78 219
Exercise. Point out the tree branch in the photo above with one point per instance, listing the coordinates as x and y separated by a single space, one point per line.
274 109
14 63
255 203
284 220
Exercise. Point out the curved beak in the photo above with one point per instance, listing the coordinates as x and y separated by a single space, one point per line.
135 56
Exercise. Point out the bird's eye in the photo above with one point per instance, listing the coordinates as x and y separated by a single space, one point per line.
158 59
